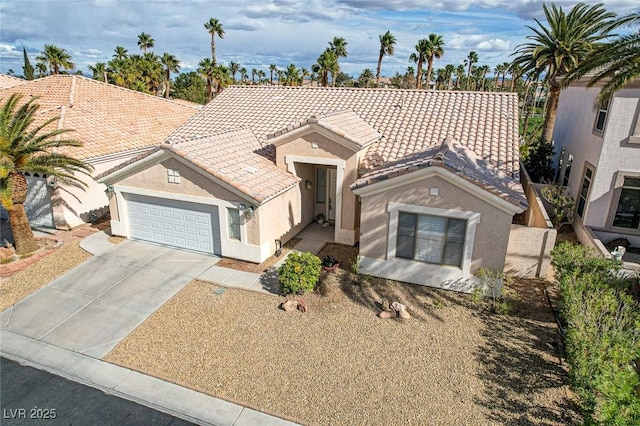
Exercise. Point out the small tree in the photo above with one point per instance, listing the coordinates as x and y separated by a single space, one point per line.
563 205
299 273
492 285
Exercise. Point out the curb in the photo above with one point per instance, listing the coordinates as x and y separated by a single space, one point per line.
18 265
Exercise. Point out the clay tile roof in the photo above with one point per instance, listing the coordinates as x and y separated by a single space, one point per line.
458 159
7 81
237 158
409 120
346 124
108 119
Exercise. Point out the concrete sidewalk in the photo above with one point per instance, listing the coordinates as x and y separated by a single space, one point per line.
146 390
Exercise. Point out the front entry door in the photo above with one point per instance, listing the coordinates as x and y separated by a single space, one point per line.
331 178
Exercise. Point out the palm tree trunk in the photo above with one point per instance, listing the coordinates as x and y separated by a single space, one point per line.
378 71
429 70
419 75
23 238
213 50
553 95
104 74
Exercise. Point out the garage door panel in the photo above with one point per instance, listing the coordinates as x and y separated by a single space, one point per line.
179 224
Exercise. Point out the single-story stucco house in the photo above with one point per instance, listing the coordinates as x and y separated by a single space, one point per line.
114 124
427 182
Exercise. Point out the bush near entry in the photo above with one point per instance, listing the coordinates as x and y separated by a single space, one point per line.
603 335
299 273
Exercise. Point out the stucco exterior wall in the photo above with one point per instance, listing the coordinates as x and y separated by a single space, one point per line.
153 181
326 149
529 251
72 204
608 152
191 182
489 246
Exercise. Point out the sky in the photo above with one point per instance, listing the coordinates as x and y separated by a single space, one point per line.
263 32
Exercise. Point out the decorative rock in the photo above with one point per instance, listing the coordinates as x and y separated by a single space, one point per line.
387 314
404 314
289 305
385 305
5 252
302 305
398 306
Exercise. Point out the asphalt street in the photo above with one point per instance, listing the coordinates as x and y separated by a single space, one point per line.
34 397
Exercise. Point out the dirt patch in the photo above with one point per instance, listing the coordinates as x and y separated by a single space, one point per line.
451 363
116 240
241 265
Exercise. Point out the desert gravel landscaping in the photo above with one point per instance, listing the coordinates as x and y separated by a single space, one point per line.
453 362
37 275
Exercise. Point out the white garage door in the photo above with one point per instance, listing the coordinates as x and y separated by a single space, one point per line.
174 223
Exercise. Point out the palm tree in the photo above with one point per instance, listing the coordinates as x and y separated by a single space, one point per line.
561 47
472 58
29 147
262 75
121 53
499 69
99 71
420 56
339 47
365 77
272 68
460 71
516 73
506 66
435 49
450 70
145 42
170 64
206 69
614 63
220 76
253 75
484 70
233 69
55 58
326 63
243 75
387 44
214 27
41 67
291 75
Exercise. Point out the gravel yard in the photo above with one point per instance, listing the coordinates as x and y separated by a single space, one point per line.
35 276
451 363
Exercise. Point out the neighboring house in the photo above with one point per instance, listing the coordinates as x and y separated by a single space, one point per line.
114 124
7 81
598 158
427 182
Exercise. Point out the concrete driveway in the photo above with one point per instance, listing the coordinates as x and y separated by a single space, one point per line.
91 308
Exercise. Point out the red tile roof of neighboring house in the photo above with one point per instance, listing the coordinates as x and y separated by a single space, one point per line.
7 81
108 119
456 158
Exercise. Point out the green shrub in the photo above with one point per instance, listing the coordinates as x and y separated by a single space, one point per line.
536 156
563 205
603 335
299 273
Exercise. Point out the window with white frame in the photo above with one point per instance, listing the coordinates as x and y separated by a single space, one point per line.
584 191
601 117
431 239
234 224
628 208
173 176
